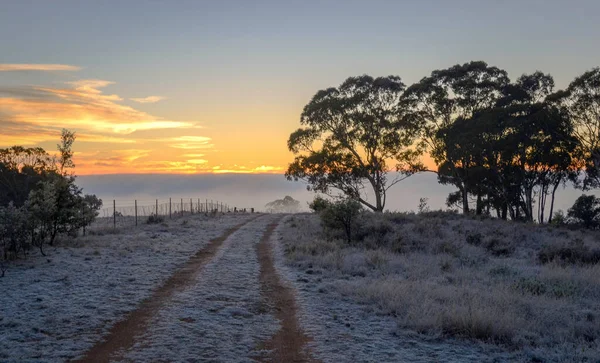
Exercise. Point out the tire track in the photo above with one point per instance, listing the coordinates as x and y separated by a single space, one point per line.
289 344
123 334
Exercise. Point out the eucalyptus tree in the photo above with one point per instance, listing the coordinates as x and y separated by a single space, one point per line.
356 138
447 95
581 102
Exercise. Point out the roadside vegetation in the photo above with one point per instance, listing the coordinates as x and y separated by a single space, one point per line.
523 287
39 200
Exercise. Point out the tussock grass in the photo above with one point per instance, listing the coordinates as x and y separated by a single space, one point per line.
523 287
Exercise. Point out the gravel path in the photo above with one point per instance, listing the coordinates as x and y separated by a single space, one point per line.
222 316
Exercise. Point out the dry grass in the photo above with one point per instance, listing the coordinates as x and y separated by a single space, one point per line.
524 287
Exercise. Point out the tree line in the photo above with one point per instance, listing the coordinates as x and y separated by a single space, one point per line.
39 199
506 145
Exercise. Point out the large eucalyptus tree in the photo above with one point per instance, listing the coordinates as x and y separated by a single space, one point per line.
356 139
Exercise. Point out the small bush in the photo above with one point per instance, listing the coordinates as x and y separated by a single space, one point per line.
342 216
557 289
319 204
155 219
586 211
498 247
374 228
573 253
474 239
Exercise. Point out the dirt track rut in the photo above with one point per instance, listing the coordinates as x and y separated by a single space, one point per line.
226 304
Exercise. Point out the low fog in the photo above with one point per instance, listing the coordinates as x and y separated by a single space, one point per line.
254 191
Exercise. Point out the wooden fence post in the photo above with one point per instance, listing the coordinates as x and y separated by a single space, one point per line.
136 212
83 217
182 206
114 214
157 207
170 212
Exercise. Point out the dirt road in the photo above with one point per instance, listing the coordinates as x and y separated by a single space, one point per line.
226 304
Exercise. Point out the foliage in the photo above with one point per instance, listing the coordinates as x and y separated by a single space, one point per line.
586 211
285 205
575 252
40 200
342 215
14 228
319 204
350 135
423 207
21 169
155 219
581 102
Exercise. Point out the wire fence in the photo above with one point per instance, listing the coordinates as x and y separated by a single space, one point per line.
133 213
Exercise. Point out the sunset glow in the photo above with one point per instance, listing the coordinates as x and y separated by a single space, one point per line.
113 137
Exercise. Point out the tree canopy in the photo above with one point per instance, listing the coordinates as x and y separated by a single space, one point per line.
353 135
507 146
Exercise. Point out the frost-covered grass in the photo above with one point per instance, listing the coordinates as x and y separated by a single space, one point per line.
489 284
54 308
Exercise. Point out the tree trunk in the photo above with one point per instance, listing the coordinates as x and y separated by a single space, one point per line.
478 207
465 200
529 204
552 201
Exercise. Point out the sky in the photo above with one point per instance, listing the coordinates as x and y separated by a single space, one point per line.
218 86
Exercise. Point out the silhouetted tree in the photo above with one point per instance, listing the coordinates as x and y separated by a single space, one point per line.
581 101
586 210
437 101
350 136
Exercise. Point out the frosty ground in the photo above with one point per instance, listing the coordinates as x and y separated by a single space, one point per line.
59 307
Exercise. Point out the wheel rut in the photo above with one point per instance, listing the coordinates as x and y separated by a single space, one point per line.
124 333
289 344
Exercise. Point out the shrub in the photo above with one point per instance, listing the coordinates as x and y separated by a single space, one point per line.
586 210
498 247
374 228
14 232
574 252
474 239
319 204
155 219
559 218
342 215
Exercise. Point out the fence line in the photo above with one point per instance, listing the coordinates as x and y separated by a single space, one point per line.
132 214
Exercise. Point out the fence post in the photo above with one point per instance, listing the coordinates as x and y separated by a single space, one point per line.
157 207
191 207
207 205
181 206
170 215
83 217
114 214
199 210
136 212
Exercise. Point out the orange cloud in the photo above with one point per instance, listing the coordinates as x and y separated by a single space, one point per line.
149 99
190 142
116 138
86 106
37 67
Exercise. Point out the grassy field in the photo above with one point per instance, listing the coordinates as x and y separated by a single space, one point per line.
530 289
